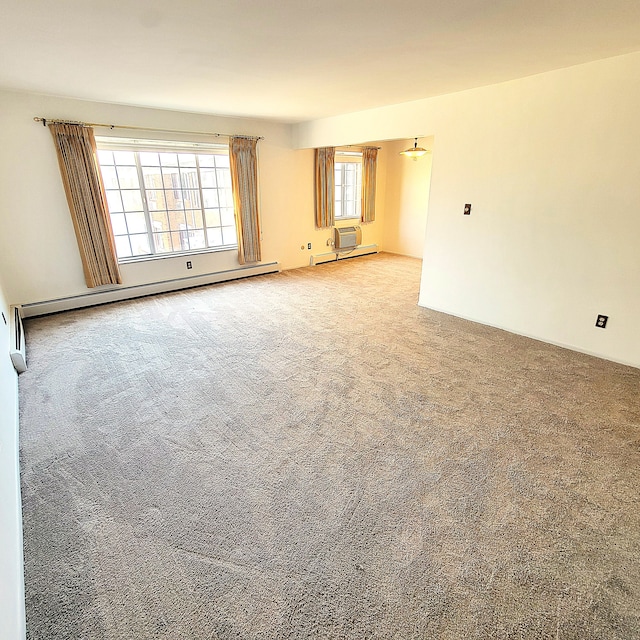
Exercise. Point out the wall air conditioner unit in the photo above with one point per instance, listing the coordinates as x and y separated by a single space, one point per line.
17 350
346 237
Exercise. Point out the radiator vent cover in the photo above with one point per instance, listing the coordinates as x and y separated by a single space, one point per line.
347 237
17 349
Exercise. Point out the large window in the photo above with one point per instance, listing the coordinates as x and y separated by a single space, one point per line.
348 170
166 197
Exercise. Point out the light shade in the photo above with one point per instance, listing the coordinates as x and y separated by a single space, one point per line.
414 152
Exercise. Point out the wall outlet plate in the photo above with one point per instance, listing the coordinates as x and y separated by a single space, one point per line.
601 322
189 265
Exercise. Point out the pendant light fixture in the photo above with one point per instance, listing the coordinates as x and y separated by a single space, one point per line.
414 152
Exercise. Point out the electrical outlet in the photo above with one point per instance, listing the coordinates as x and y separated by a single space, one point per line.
601 322
467 209
189 265
308 245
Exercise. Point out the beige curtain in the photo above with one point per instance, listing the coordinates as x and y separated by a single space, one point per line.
244 183
325 186
77 157
369 165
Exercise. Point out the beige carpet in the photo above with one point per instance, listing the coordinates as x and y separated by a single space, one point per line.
312 455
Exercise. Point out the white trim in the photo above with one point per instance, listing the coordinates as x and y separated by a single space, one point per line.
531 336
172 146
333 256
137 291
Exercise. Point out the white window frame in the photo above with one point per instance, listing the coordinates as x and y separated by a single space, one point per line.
138 146
350 209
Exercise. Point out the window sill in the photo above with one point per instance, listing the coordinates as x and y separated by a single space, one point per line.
177 254
347 218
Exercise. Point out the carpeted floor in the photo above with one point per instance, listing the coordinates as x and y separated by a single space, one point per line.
312 455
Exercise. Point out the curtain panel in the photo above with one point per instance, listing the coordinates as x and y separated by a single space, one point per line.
78 160
244 184
325 178
369 166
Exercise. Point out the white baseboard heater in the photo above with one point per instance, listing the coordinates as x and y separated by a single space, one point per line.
17 348
140 290
340 254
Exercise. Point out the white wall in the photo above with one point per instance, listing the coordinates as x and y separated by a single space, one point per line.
550 165
12 622
407 198
38 252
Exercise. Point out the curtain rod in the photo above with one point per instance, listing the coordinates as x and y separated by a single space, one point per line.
357 146
123 126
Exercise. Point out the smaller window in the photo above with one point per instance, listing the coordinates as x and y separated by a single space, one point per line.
348 173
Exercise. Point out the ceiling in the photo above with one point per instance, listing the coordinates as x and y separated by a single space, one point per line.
296 60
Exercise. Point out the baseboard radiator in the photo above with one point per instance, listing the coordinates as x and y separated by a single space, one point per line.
17 349
138 291
339 254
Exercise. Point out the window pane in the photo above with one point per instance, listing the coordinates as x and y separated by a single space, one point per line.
155 199
140 244
159 221
152 177
136 222
174 200
208 177
173 191
162 242
132 200
118 224
205 160
109 177
194 218
187 159
215 237
196 239
169 159
180 241
171 178
185 238
190 188
338 209
114 201
124 157
229 235
105 157
227 217
210 198
224 178
190 198
128 177
224 196
222 160
176 220
123 249
213 217
149 159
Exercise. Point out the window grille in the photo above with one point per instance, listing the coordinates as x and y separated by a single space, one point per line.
165 197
